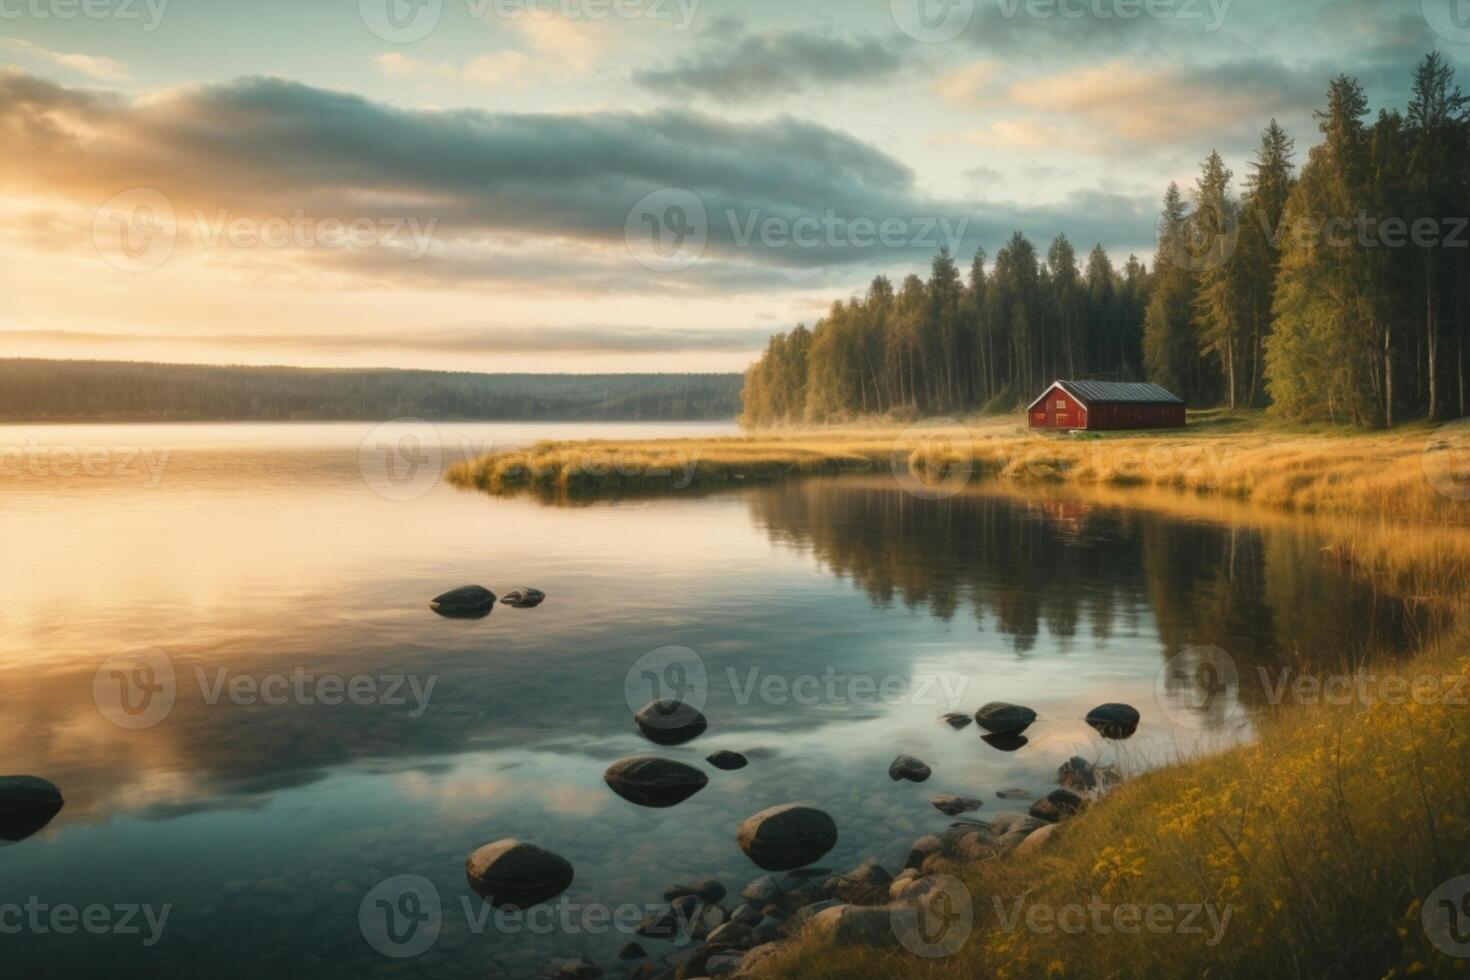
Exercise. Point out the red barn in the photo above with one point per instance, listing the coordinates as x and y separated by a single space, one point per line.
1101 405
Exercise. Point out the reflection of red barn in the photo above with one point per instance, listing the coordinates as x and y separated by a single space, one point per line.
1099 405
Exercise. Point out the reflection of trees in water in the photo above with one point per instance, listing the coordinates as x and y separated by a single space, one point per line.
1264 595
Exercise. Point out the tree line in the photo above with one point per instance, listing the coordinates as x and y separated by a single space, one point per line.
46 390
1337 292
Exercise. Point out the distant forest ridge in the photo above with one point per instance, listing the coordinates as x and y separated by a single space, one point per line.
33 390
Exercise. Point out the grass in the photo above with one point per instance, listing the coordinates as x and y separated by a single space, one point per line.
1322 839
1241 456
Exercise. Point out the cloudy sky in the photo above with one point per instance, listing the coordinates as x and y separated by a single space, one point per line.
603 185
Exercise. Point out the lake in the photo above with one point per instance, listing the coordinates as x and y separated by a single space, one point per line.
307 729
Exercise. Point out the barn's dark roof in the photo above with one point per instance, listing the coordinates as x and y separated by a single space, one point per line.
1125 392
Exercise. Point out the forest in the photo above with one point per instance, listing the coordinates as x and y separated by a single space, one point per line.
47 390
1335 291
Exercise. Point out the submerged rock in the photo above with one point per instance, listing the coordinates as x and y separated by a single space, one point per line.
1003 718
632 951
956 719
786 837
653 782
1014 794
577 970
465 602
524 598
907 767
955 805
513 874
707 890
669 722
728 761
27 803
1007 742
1115 721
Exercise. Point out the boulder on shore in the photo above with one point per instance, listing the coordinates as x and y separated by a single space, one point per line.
650 781
512 874
1004 718
465 602
786 837
669 722
1057 805
907 767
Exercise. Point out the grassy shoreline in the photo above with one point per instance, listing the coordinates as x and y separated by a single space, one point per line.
1242 457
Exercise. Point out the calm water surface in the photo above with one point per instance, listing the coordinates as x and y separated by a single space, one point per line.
834 619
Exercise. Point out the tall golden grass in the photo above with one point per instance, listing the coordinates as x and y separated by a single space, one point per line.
1399 474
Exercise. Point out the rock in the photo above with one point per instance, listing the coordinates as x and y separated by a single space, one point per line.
632 951
955 805
27 803
1038 839
806 913
1003 718
1057 805
865 884
922 849
1006 743
956 719
577 970
511 874
733 934
768 931
650 781
907 767
680 921
854 925
786 837
763 891
758 955
728 761
524 598
1115 721
465 602
669 722
747 915
707 890
705 919
1003 821
1077 773
692 962
723 965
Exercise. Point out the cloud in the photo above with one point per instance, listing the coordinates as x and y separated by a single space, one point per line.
969 87
500 70
736 67
94 66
